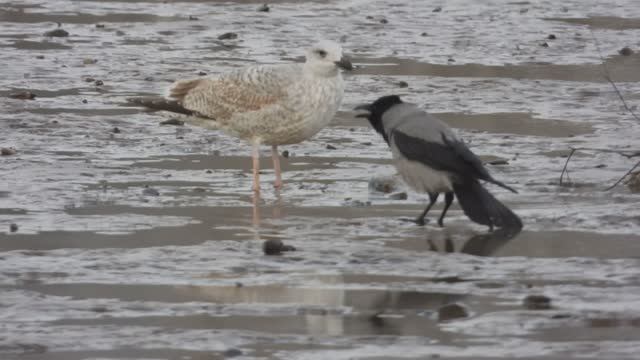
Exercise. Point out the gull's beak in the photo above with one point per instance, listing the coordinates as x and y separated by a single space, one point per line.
364 110
344 63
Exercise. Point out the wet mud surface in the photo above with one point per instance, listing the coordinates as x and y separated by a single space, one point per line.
122 238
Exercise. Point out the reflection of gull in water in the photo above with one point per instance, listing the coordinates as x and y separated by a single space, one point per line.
484 244
264 104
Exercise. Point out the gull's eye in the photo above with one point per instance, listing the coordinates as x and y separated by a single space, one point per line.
322 53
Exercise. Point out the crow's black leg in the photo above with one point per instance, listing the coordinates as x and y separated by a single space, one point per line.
448 199
433 197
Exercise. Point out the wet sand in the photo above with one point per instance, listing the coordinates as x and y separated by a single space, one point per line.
99 266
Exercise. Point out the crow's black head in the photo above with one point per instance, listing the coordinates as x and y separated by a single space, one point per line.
374 111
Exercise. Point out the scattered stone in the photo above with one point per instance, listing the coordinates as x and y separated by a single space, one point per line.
13 227
561 316
437 9
625 51
172 121
452 311
228 36
273 247
23 95
233 352
89 61
398 196
98 83
40 57
499 162
537 302
119 33
403 84
115 130
199 190
57 33
89 79
7 151
384 21
193 18
451 60
384 185
149 78
369 17
545 44
600 166
99 26
264 8
367 143
84 101
239 284
285 154
209 172
201 73
424 34
331 147
551 37
100 309
149 191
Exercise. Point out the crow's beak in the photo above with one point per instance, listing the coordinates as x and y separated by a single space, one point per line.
344 63
364 110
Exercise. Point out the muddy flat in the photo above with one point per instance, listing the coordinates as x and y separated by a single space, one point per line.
121 238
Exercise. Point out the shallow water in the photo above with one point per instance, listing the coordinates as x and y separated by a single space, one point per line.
99 268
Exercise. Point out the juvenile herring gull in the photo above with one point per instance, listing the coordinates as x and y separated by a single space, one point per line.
430 158
264 104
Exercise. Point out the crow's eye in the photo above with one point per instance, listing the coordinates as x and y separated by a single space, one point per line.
322 53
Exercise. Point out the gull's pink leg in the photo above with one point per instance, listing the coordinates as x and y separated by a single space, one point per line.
276 166
255 154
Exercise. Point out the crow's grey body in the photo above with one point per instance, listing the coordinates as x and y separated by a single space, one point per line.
432 159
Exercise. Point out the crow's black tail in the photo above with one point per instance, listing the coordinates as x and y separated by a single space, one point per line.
159 103
482 207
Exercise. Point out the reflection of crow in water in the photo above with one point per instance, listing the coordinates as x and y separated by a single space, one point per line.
479 244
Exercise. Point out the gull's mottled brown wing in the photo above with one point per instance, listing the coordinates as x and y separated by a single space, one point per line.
220 98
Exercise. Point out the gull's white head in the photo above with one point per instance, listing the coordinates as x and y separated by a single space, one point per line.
325 57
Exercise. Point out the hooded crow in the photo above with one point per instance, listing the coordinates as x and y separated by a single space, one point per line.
432 159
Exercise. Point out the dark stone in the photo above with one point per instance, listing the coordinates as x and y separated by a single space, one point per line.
285 154
600 166
148 191
119 33
13 227
84 101
7 151
452 311
424 34
99 26
201 73
115 130
398 196
264 8
193 18
40 57
233 352
537 302
551 37
437 9
23 95
545 44
148 78
272 247
57 33
172 121
228 36
99 83
331 147
209 172
384 21
625 51
89 79
499 162
403 84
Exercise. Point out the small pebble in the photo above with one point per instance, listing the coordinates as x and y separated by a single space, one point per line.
13 227
99 26
89 79
537 302
193 18
551 37
7 151
119 33
452 311
233 352
384 21
40 57
437 9
23 95
89 61
209 172
424 34
544 44
228 36
264 8
57 33
84 101
272 247
499 162
115 130
600 166
148 78
201 73
625 51
403 84
331 147
99 83
149 191
172 121
285 154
